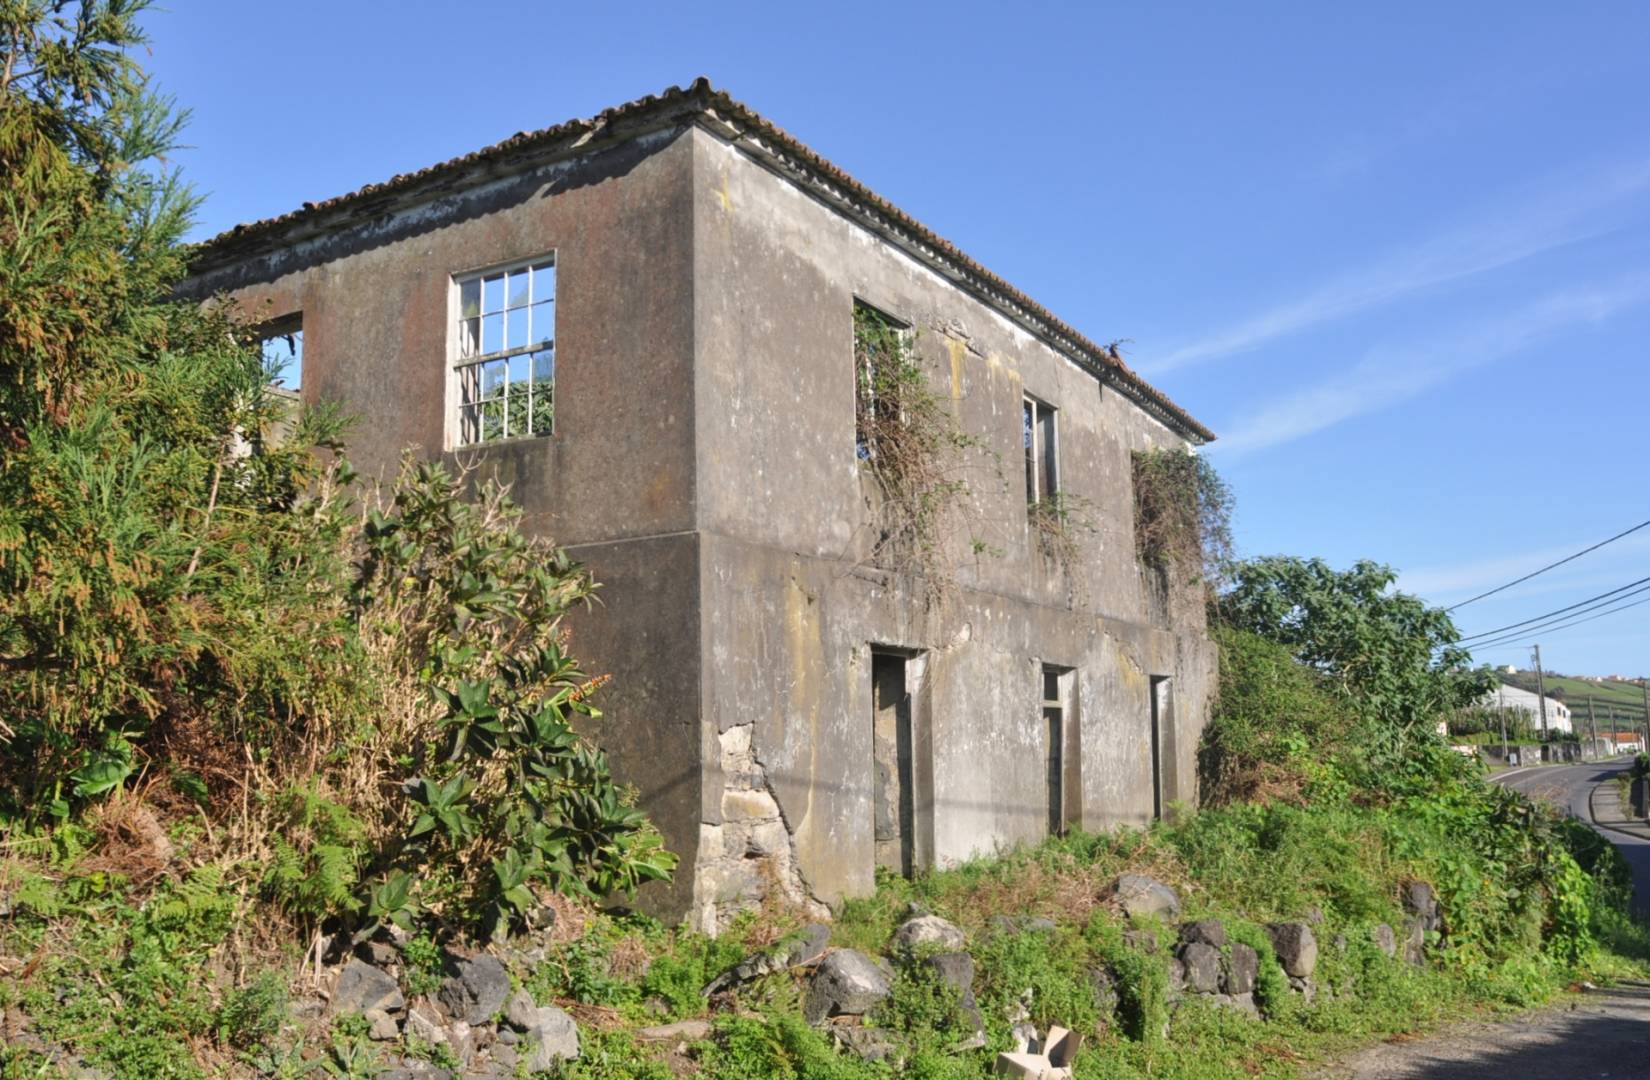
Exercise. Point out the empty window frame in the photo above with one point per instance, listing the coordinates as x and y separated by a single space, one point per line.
1042 444
504 363
283 351
881 351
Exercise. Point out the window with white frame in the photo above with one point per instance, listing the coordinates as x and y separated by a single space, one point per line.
1042 445
505 361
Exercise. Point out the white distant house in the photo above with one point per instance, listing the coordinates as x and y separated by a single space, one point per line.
1511 697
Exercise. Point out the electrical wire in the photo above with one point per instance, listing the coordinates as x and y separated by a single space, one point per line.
1549 566
1604 597
1523 635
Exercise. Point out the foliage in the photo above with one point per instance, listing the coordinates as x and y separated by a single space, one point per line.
1182 514
1385 653
911 445
370 711
1273 726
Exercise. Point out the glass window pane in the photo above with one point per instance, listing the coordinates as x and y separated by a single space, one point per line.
518 370
544 283
492 420
469 384
517 334
492 294
1050 452
544 322
518 289
492 333
544 365
492 379
469 299
469 338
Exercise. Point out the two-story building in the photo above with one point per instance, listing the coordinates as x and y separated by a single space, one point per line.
644 322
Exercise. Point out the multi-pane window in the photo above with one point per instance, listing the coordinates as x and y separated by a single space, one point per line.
283 351
1042 451
506 356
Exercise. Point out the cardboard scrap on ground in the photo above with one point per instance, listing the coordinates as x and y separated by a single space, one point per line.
1049 1060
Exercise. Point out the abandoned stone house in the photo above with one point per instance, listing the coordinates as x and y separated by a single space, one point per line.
645 323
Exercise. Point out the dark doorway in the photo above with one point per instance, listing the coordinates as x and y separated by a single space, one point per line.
893 800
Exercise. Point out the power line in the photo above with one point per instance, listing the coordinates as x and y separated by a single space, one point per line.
1523 635
1549 566
1604 596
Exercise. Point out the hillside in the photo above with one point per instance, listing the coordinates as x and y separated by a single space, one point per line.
1625 699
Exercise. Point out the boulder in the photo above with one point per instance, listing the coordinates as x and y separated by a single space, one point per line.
1242 969
1385 939
413 1069
384 1026
1415 940
475 988
1138 895
362 987
1204 932
847 983
1022 924
1202 967
1296 946
866 1043
1421 901
805 948
1104 988
928 930
956 970
552 1037
1141 941
424 1024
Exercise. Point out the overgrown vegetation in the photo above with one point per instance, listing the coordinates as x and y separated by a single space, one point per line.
917 454
1182 515
216 663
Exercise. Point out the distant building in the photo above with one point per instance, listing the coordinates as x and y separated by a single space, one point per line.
1510 669
1511 697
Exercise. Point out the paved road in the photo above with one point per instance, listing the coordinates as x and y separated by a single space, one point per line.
1602 1033
1570 786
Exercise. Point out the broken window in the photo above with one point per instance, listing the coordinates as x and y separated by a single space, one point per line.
506 353
1042 451
881 358
283 351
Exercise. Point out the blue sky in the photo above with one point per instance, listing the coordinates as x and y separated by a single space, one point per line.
1398 257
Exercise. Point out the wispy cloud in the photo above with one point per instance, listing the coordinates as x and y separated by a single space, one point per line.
1394 372
1491 241
1451 581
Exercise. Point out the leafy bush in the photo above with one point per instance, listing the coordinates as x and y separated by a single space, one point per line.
1182 514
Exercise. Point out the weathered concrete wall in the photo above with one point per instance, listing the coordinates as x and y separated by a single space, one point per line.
615 481
703 466
792 610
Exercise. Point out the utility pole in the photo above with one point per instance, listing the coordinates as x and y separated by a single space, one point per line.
1501 711
1541 692
1615 742
1592 728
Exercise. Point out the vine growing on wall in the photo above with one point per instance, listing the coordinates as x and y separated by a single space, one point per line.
910 443
1182 514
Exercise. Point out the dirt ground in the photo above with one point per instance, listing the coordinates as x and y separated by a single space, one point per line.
1602 1033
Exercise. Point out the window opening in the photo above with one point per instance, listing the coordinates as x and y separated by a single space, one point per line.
893 754
1054 727
506 356
283 351
881 343
1042 446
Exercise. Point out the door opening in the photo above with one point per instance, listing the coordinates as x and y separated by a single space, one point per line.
894 796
